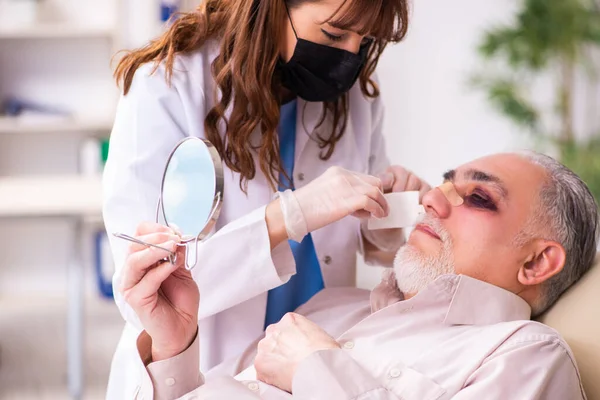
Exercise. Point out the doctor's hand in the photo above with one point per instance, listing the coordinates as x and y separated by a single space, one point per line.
164 296
399 179
394 179
332 196
286 344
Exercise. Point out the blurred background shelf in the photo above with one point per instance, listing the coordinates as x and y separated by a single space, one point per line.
59 55
50 196
12 125
57 31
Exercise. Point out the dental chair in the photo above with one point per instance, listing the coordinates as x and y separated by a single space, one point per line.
577 317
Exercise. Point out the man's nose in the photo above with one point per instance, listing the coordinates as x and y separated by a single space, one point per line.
436 202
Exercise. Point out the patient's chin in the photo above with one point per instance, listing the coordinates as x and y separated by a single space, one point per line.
415 270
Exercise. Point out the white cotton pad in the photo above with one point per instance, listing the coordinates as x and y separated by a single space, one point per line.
405 211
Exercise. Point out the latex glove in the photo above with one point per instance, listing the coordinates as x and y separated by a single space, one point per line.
164 296
398 179
394 179
286 344
332 196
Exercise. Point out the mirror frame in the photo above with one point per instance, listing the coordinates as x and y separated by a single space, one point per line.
218 189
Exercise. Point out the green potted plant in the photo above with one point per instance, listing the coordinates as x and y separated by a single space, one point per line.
550 41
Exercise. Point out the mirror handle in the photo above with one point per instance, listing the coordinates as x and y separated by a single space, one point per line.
189 266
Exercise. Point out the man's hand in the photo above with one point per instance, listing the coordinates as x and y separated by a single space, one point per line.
164 296
285 345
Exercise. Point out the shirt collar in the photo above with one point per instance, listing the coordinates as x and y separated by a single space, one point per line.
468 301
475 302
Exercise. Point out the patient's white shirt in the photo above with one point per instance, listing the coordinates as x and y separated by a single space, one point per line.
458 339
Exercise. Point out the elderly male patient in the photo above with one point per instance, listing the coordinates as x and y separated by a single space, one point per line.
502 239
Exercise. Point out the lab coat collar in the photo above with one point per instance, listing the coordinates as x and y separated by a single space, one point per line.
308 115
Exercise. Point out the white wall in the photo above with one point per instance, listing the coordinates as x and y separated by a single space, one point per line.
435 120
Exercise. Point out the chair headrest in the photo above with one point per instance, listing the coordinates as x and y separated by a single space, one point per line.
576 317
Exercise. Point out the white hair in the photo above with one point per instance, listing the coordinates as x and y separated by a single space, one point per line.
568 214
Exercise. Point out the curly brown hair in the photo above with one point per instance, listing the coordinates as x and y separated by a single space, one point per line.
245 70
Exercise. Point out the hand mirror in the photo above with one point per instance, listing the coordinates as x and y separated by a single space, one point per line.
191 195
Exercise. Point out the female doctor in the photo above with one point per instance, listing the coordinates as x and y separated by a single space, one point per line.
285 90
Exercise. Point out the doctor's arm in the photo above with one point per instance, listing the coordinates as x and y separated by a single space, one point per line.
252 250
151 119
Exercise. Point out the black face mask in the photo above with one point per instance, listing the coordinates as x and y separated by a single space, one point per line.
317 72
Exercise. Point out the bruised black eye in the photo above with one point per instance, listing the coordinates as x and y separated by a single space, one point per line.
480 200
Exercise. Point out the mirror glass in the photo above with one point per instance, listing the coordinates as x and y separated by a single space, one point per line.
191 192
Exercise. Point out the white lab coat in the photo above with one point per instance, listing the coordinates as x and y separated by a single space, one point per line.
236 268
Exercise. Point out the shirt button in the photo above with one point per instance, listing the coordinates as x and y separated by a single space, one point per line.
300 176
170 381
394 373
371 159
327 260
253 386
349 345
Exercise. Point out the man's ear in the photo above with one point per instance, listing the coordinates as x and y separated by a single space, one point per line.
546 260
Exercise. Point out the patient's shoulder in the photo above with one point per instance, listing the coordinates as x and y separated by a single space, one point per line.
534 331
528 333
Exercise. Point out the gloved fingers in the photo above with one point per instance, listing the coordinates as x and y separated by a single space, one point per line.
362 214
412 183
370 199
387 180
399 181
375 194
369 179
353 184
365 203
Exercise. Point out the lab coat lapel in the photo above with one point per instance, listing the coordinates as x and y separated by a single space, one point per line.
307 117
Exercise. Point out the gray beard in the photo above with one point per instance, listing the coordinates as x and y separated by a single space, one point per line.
414 270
